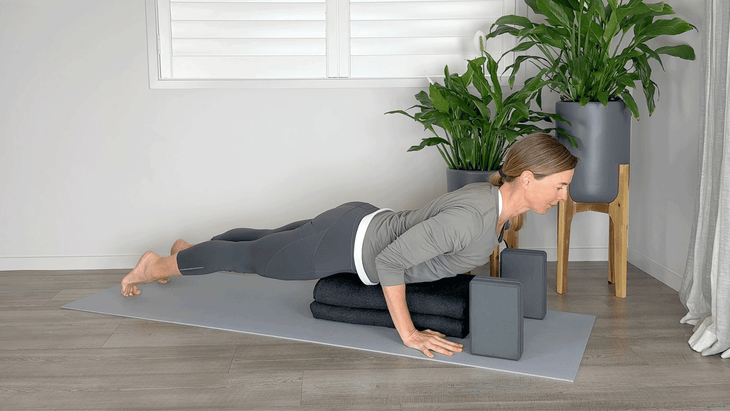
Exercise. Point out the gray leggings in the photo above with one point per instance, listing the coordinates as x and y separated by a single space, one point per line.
304 250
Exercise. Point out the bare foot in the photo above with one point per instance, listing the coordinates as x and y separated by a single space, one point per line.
139 275
178 246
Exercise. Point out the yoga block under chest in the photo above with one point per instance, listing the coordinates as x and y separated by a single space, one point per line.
529 267
495 318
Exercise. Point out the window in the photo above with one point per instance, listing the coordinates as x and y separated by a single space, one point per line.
321 43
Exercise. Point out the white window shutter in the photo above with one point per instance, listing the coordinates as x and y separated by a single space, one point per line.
413 38
199 40
239 39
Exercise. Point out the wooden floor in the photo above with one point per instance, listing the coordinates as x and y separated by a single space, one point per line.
50 358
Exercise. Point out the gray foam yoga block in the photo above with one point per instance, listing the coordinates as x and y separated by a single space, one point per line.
495 318
529 267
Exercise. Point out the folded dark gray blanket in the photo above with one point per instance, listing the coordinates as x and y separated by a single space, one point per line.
449 326
447 297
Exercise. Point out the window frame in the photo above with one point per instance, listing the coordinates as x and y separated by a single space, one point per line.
156 81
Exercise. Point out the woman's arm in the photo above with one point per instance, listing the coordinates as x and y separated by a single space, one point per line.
449 231
424 341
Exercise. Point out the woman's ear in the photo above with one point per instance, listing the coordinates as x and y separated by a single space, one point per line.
526 178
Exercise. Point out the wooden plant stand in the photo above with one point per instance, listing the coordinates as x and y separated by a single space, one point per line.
618 212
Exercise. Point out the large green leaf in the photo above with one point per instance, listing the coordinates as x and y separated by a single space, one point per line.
594 18
514 20
424 99
649 91
612 27
521 113
492 68
602 96
401 112
628 80
480 82
544 34
483 109
561 133
524 46
628 54
516 67
439 102
658 28
651 53
682 51
630 103
494 32
457 102
428 142
552 10
533 5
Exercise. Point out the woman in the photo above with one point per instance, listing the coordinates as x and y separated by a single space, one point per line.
453 234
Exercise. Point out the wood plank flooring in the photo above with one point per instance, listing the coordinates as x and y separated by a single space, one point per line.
54 359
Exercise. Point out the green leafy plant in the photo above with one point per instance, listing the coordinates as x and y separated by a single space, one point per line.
478 127
586 55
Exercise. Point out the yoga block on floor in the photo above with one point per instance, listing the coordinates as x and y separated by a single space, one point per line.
529 267
495 317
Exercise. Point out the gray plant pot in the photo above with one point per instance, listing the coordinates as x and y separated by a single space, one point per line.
604 141
455 179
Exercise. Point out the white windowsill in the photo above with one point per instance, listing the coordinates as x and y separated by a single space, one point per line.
299 83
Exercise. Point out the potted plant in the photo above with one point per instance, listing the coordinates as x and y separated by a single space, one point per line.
588 57
479 123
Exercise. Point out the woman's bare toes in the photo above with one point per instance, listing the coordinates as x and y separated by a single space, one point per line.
132 290
138 275
164 280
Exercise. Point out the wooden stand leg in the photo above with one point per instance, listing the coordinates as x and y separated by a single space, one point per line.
566 211
611 251
494 263
618 211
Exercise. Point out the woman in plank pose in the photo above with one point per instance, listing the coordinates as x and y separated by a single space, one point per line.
452 234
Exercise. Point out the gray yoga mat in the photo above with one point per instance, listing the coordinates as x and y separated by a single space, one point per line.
553 347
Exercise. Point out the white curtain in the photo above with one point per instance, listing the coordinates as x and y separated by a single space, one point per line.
706 285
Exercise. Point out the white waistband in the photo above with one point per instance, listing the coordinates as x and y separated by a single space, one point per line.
359 241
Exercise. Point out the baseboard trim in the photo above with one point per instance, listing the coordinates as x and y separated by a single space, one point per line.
655 269
97 262
102 262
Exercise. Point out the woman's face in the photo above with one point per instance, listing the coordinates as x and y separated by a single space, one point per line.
545 193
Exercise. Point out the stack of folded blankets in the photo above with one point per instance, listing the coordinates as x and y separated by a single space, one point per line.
441 305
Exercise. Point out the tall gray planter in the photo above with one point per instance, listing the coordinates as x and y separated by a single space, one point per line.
455 179
604 141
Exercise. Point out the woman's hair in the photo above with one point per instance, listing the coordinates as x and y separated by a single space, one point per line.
540 153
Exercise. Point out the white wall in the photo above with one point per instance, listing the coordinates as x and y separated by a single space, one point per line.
96 168
665 161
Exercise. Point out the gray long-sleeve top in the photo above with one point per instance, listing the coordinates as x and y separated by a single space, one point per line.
452 234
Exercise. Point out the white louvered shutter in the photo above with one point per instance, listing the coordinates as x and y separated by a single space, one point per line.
410 38
238 39
319 39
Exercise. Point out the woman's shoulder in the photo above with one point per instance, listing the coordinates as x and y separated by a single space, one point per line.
480 196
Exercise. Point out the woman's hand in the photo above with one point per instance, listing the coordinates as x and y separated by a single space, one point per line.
427 341
424 341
